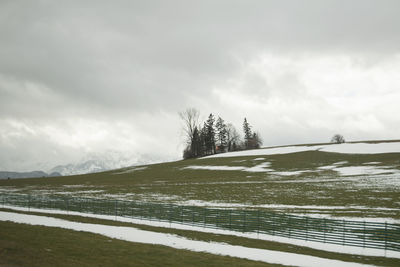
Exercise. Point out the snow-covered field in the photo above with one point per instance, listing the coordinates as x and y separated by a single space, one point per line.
388 176
350 186
149 237
346 186
347 148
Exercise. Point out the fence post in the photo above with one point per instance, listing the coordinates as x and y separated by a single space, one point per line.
29 202
290 227
385 236
230 219
344 236
273 219
244 221
364 236
116 209
324 229
182 214
150 212
306 228
205 216
258 222
216 218
169 215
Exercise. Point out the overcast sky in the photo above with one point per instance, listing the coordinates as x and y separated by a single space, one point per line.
82 78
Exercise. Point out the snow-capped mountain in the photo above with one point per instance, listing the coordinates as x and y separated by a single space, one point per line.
106 161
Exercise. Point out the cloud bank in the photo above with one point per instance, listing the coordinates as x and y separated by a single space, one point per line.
96 76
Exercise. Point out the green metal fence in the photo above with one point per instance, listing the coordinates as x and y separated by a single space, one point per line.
343 232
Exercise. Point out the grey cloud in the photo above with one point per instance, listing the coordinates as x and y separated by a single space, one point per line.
98 51
142 61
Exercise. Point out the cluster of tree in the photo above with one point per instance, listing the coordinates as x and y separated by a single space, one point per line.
214 135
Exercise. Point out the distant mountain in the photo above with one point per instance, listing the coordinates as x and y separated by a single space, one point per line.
34 174
105 161
89 166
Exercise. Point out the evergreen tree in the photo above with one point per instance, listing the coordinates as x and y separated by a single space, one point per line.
195 145
221 134
210 135
247 134
203 137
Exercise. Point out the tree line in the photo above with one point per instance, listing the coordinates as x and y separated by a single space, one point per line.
215 135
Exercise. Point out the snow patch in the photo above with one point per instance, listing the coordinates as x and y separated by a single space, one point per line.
74 185
202 203
289 173
263 167
216 168
130 170
340 163
141 236
329 167
363 170
347 148
76 192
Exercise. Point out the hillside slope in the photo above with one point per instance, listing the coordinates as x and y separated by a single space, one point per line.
361 181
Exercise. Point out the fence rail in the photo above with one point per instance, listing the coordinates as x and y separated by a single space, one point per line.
343 232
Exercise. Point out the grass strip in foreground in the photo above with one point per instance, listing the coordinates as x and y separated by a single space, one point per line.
232 240
27 245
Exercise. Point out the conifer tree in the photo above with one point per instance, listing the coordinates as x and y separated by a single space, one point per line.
221 134
195 145
210 135
247 134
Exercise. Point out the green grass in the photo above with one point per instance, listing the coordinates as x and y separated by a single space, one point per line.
233 240
26 245
171 182
22 245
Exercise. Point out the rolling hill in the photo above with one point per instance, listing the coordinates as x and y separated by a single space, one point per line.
358 180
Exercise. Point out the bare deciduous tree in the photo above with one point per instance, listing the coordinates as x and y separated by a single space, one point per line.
338 139
232 136
190 118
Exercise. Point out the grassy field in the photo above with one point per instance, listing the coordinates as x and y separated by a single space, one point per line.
25 245
301 182
309 182
42 239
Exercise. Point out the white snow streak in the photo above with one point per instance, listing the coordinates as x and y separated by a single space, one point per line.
310 244
358 148
363 170
216 168
147 237
131 170
280 206
263 167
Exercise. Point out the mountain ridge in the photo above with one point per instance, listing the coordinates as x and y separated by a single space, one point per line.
32 174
